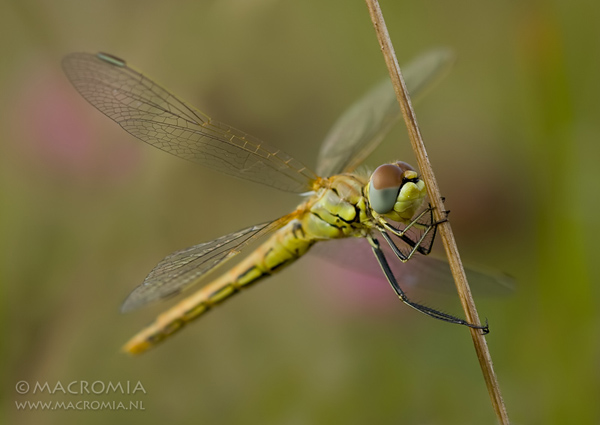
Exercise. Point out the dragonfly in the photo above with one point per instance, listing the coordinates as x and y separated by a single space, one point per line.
339 202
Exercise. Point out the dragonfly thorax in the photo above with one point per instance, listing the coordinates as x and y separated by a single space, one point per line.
395 191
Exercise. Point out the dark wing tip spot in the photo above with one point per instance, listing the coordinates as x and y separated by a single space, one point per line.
112 59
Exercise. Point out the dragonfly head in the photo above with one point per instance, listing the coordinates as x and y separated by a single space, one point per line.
396 191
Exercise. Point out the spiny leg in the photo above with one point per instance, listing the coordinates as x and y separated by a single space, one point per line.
436 314
416 242
419 244
399 254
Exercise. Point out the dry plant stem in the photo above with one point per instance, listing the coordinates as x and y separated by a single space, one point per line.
444 229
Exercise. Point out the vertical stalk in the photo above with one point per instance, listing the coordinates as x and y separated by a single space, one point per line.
444 229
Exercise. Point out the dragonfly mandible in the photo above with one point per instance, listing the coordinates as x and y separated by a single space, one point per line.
389 203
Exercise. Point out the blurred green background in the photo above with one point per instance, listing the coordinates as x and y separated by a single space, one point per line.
87 211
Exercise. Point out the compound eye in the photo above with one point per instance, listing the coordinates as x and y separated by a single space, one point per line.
384 187
405 166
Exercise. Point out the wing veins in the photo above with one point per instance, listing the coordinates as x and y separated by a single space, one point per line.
183 268
151 113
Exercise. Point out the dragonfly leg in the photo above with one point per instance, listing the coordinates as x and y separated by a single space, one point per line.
421 244
424 242
401 255
436 314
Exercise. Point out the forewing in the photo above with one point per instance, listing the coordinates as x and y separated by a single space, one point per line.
184 268
362 127
156 116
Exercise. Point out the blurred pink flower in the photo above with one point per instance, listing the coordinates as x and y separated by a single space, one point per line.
54 125
348 278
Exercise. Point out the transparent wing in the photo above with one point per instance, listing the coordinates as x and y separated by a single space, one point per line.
184 268
422 272
362 127
154 115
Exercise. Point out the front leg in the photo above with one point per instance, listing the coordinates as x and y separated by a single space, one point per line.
422 225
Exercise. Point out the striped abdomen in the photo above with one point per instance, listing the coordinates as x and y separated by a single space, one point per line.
336 211
285 246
